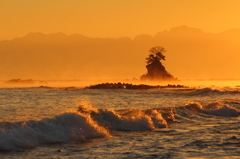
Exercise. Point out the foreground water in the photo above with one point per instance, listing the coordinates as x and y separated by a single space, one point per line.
42 122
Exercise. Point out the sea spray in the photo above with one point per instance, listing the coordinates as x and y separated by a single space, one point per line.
128 120
64 128
88 123
216 109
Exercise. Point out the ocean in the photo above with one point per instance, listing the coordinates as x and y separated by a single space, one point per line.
53 122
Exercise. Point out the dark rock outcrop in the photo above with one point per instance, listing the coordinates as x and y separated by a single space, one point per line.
131 86
157 72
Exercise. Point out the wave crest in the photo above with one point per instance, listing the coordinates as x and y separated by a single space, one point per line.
217 109
128 120
68 127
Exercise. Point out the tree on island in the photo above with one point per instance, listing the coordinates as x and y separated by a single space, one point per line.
156 53
156 71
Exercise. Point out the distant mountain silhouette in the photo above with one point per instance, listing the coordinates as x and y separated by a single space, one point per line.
191 53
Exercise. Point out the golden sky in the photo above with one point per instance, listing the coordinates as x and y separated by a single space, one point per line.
191 55
115 18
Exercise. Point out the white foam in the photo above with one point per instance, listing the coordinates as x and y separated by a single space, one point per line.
220 109
217 109
114 121
78 126
63 128
88 123
131 120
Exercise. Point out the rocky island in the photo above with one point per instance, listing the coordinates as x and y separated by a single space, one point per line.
155 70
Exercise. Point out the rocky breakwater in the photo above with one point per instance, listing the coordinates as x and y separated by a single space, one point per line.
120 85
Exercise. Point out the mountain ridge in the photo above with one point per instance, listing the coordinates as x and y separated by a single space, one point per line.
182 28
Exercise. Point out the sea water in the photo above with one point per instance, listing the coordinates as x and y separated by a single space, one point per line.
46 122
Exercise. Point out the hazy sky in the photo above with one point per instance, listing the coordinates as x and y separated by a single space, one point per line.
115 18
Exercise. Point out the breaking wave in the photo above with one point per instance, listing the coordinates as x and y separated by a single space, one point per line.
64 128
88 123
130 120
216 109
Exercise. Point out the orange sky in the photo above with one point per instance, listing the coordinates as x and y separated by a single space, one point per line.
115 18
195 55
